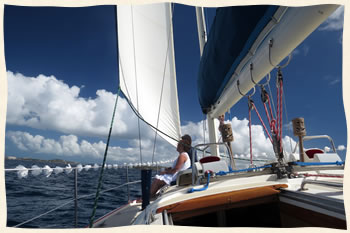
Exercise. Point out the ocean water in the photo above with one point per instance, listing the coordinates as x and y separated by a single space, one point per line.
29 197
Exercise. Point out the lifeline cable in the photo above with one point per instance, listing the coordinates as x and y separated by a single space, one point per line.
338 163
222 173
103 164
70 201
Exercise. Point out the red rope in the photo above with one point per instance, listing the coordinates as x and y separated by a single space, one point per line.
262 122
271 119
278 113
270 107
267 114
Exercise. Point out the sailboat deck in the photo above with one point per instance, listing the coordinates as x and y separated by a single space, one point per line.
122 216
285 200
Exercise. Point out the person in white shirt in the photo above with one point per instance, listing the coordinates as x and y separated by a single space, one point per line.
182 162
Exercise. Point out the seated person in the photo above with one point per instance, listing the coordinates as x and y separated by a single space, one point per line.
182 162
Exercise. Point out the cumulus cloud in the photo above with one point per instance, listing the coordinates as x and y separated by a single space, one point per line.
332 80
341 148
262 148
327 149
335 21
69 145
56 106
304 50
295 52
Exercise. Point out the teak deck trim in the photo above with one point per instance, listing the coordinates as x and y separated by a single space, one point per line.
222 198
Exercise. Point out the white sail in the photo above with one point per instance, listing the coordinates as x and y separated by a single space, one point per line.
146 65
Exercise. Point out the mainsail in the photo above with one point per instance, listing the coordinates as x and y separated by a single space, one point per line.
146 65
251 28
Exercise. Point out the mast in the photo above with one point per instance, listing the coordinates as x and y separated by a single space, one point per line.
202 36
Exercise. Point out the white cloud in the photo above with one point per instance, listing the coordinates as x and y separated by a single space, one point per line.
306 50
327 149
335 21
56 106
295 52
69 145
262 148
303 49
341 148
333 82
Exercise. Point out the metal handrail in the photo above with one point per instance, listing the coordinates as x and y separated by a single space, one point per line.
305 138
324 183
206 147
74 199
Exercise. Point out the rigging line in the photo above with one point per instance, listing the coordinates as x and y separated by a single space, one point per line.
273 104
161 92
150 125
204 127
286 114
122 70
206 20
70 201
262 122
103 163
137 96
250 134
39 216
256 160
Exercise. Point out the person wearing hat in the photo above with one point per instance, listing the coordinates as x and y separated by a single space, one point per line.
182 162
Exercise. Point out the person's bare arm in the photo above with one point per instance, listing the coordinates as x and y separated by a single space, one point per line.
180 161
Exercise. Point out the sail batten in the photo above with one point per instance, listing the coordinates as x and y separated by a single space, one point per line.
147 68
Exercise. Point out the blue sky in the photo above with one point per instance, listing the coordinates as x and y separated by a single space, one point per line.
62 79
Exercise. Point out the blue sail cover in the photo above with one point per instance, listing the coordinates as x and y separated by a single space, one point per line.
232 34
